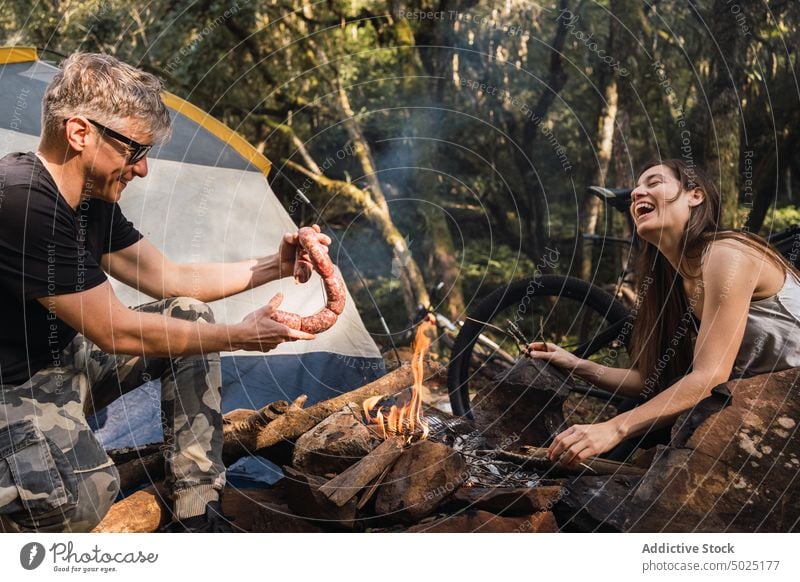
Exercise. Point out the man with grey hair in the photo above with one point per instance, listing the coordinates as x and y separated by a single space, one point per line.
69 347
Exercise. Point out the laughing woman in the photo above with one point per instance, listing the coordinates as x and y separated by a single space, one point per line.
739 295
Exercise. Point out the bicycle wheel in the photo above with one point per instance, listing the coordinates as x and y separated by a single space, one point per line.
573 312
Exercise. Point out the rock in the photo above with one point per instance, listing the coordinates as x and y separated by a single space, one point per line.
595 503
306 501
736 469
334 444
142 511
523 405
263 511
507 500
419 481
732 466
478 521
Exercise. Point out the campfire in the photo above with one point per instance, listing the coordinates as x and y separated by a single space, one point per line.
406 419
372 459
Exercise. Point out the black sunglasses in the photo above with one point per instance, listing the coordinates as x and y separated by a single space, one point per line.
139 150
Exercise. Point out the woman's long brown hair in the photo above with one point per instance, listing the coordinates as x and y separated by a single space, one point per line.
661 345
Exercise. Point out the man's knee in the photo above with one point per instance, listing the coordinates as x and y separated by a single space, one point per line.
188 308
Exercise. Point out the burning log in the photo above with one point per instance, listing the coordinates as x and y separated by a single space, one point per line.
293 424
419 481
345 486
247 431
408 418
334 444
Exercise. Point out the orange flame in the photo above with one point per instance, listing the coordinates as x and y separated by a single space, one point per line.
407 419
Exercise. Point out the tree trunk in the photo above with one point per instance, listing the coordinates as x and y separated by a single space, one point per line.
445 263
411 279
592 205
723 137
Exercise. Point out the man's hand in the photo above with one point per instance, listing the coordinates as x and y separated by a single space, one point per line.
581 441
290 250
259 332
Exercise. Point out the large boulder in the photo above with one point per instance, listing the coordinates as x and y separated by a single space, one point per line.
733 465
424 476
334 444
523 405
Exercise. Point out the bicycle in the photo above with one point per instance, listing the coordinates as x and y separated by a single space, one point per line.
538 303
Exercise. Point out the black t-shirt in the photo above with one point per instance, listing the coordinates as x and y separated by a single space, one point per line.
46 249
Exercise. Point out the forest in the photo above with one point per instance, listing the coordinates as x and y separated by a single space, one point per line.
451 144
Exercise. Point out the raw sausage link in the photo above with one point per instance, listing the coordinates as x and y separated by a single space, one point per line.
315 255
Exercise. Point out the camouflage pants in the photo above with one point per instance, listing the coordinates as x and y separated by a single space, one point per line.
55 475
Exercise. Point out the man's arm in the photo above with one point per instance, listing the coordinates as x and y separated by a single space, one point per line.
143 267
99 315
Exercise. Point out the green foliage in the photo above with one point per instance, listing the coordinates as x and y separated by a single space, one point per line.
454 97
781 218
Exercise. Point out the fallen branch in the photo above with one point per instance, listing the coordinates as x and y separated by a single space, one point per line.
242 427
537 458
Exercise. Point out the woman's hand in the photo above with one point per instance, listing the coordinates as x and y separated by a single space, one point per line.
581 441
553 354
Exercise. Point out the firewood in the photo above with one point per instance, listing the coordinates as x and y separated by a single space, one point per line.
476 521
537 457
335 443
508 500
141 512
372 488
241 427
247 431
346 485
251 510
294 423
307 501
424 476
137 465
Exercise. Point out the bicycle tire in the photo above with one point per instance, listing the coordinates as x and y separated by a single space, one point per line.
604 304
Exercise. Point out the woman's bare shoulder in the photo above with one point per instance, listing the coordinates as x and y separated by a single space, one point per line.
734 249
733 260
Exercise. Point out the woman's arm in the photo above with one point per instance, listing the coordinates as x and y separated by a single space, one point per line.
729 278
627 382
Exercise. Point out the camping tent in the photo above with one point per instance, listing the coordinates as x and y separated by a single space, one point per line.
206 198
